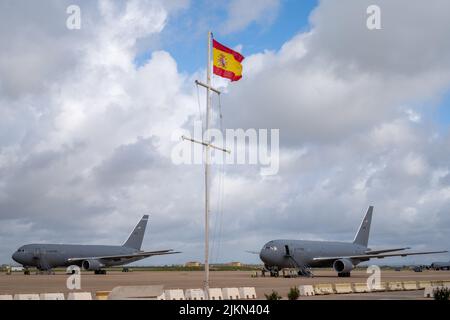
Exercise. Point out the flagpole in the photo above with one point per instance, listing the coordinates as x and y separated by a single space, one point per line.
207 166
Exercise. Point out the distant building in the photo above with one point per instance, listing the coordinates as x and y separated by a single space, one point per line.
192 264
235 264
17 269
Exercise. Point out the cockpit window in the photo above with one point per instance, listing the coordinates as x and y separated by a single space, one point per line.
272 248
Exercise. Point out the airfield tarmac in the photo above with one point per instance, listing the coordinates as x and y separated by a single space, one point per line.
19 283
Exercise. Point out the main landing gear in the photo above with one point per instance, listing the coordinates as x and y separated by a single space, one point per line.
344 274
100 272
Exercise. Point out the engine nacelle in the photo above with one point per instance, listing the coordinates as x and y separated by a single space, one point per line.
343 266
92 265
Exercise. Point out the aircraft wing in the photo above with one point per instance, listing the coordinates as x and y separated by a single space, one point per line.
126 256
385 250
378 256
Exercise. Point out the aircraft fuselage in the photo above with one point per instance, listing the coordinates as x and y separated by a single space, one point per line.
282 254
48 256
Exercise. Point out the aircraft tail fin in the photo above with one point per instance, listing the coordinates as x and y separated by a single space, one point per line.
362 237
137 236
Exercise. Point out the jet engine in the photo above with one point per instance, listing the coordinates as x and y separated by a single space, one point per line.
92 265
343 266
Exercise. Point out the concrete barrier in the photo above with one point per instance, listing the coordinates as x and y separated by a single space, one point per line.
360 287
231 294
306 291
429 292
410 285
51 296
6 297
136 293
215 294
176 294
102 295
194 294
248 293
26 297
79 296
161 297
437 283
380 288
343 288
395 286
424 284
322 289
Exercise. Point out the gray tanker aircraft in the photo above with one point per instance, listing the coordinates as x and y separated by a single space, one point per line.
89 257
341 256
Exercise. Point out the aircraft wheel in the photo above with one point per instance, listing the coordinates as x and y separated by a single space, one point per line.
100 272
344 275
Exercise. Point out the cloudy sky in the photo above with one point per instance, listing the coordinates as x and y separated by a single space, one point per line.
87 118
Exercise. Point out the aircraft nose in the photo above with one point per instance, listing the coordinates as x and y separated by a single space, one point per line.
265 255
15 257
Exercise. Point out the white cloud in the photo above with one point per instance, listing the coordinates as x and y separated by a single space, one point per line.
242 13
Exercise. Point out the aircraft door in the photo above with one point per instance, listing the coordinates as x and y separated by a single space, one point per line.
287 251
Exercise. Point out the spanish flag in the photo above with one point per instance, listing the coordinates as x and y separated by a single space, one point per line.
227 62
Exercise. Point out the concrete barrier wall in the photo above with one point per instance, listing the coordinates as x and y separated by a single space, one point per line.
429 292
360 287
424 284
383 287
136 293
231 294
194 294
306 290
79 296
26 297
176 294
395 286
323 289
343 288
437 283
410 285
6 297
215 294
248 293
51 296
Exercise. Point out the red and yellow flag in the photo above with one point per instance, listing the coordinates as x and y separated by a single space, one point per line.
227 62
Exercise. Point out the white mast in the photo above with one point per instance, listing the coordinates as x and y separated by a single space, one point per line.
207 144
207 164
